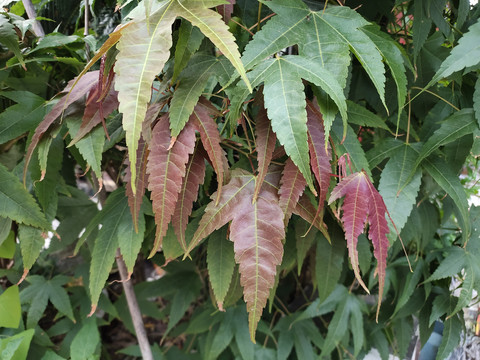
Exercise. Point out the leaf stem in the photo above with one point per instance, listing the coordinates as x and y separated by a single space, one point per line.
436 95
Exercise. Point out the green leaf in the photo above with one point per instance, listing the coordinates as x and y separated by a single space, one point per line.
220 261
476 101
5 228
359 115
192 81
403 335
106 243
180 303
350 146
338 326
465 54
242 337
17 203
399 201
328 264
21 344
9 38
143 51
31 241
421 26
394 59
451 336
54 40
383 150
85 341
304 240
130 238
189 40
90 146
10 308
223 337
451 184
7 249
21 117
411 282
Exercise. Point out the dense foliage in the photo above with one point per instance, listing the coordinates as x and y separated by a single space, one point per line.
282 179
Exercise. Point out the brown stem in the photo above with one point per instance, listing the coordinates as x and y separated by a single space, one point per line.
134 309
37 27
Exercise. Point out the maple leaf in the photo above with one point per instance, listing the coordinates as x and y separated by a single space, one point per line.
144 49
257 231
362 200
166 168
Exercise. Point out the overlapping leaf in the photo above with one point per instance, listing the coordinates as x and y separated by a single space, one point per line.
257 232
362 200
143 52
166 168
292 185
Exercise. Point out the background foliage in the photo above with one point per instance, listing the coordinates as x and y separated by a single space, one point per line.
248 139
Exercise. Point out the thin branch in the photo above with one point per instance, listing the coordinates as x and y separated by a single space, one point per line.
32 14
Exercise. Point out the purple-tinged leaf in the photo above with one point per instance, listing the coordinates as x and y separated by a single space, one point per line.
292 186
266 140
166 168
226 10
194 176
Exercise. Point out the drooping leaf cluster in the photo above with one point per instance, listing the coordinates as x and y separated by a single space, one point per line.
252 143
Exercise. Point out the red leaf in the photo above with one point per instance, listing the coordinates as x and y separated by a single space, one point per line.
194 176
319 155
206 126
82 87
362 200
292 186
305 209
226 10
257 232
135 200
266 140
166 168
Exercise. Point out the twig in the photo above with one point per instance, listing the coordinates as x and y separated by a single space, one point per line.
37 27
134 309
85 31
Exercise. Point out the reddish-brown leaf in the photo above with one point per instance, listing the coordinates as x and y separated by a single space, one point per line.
166 168
319 155
305 209
206 126
266 140
226 10
95 112
257 231
362 200
292 186
135 200
82 87
194 176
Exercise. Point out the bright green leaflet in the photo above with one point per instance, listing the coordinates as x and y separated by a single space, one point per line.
10 308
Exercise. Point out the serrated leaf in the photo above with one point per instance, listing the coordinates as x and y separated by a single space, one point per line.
421 27
362 200
9 38
130 238
265 140
221 262
450 183
86 341
411 282
320 153
17 203
106 243
96 110
31 241
192 81
166 167
328 264
465 54
135 199
194 177
222 338
451 337
338 326
10 308
383 150
21 117
90 146
257 232
476 101
82 87
393 57
189 40
292 186
359 115
17 346
399 201
350 146
307 211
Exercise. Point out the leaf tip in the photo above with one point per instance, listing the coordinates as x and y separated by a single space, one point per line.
24 275
220 306
92 311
